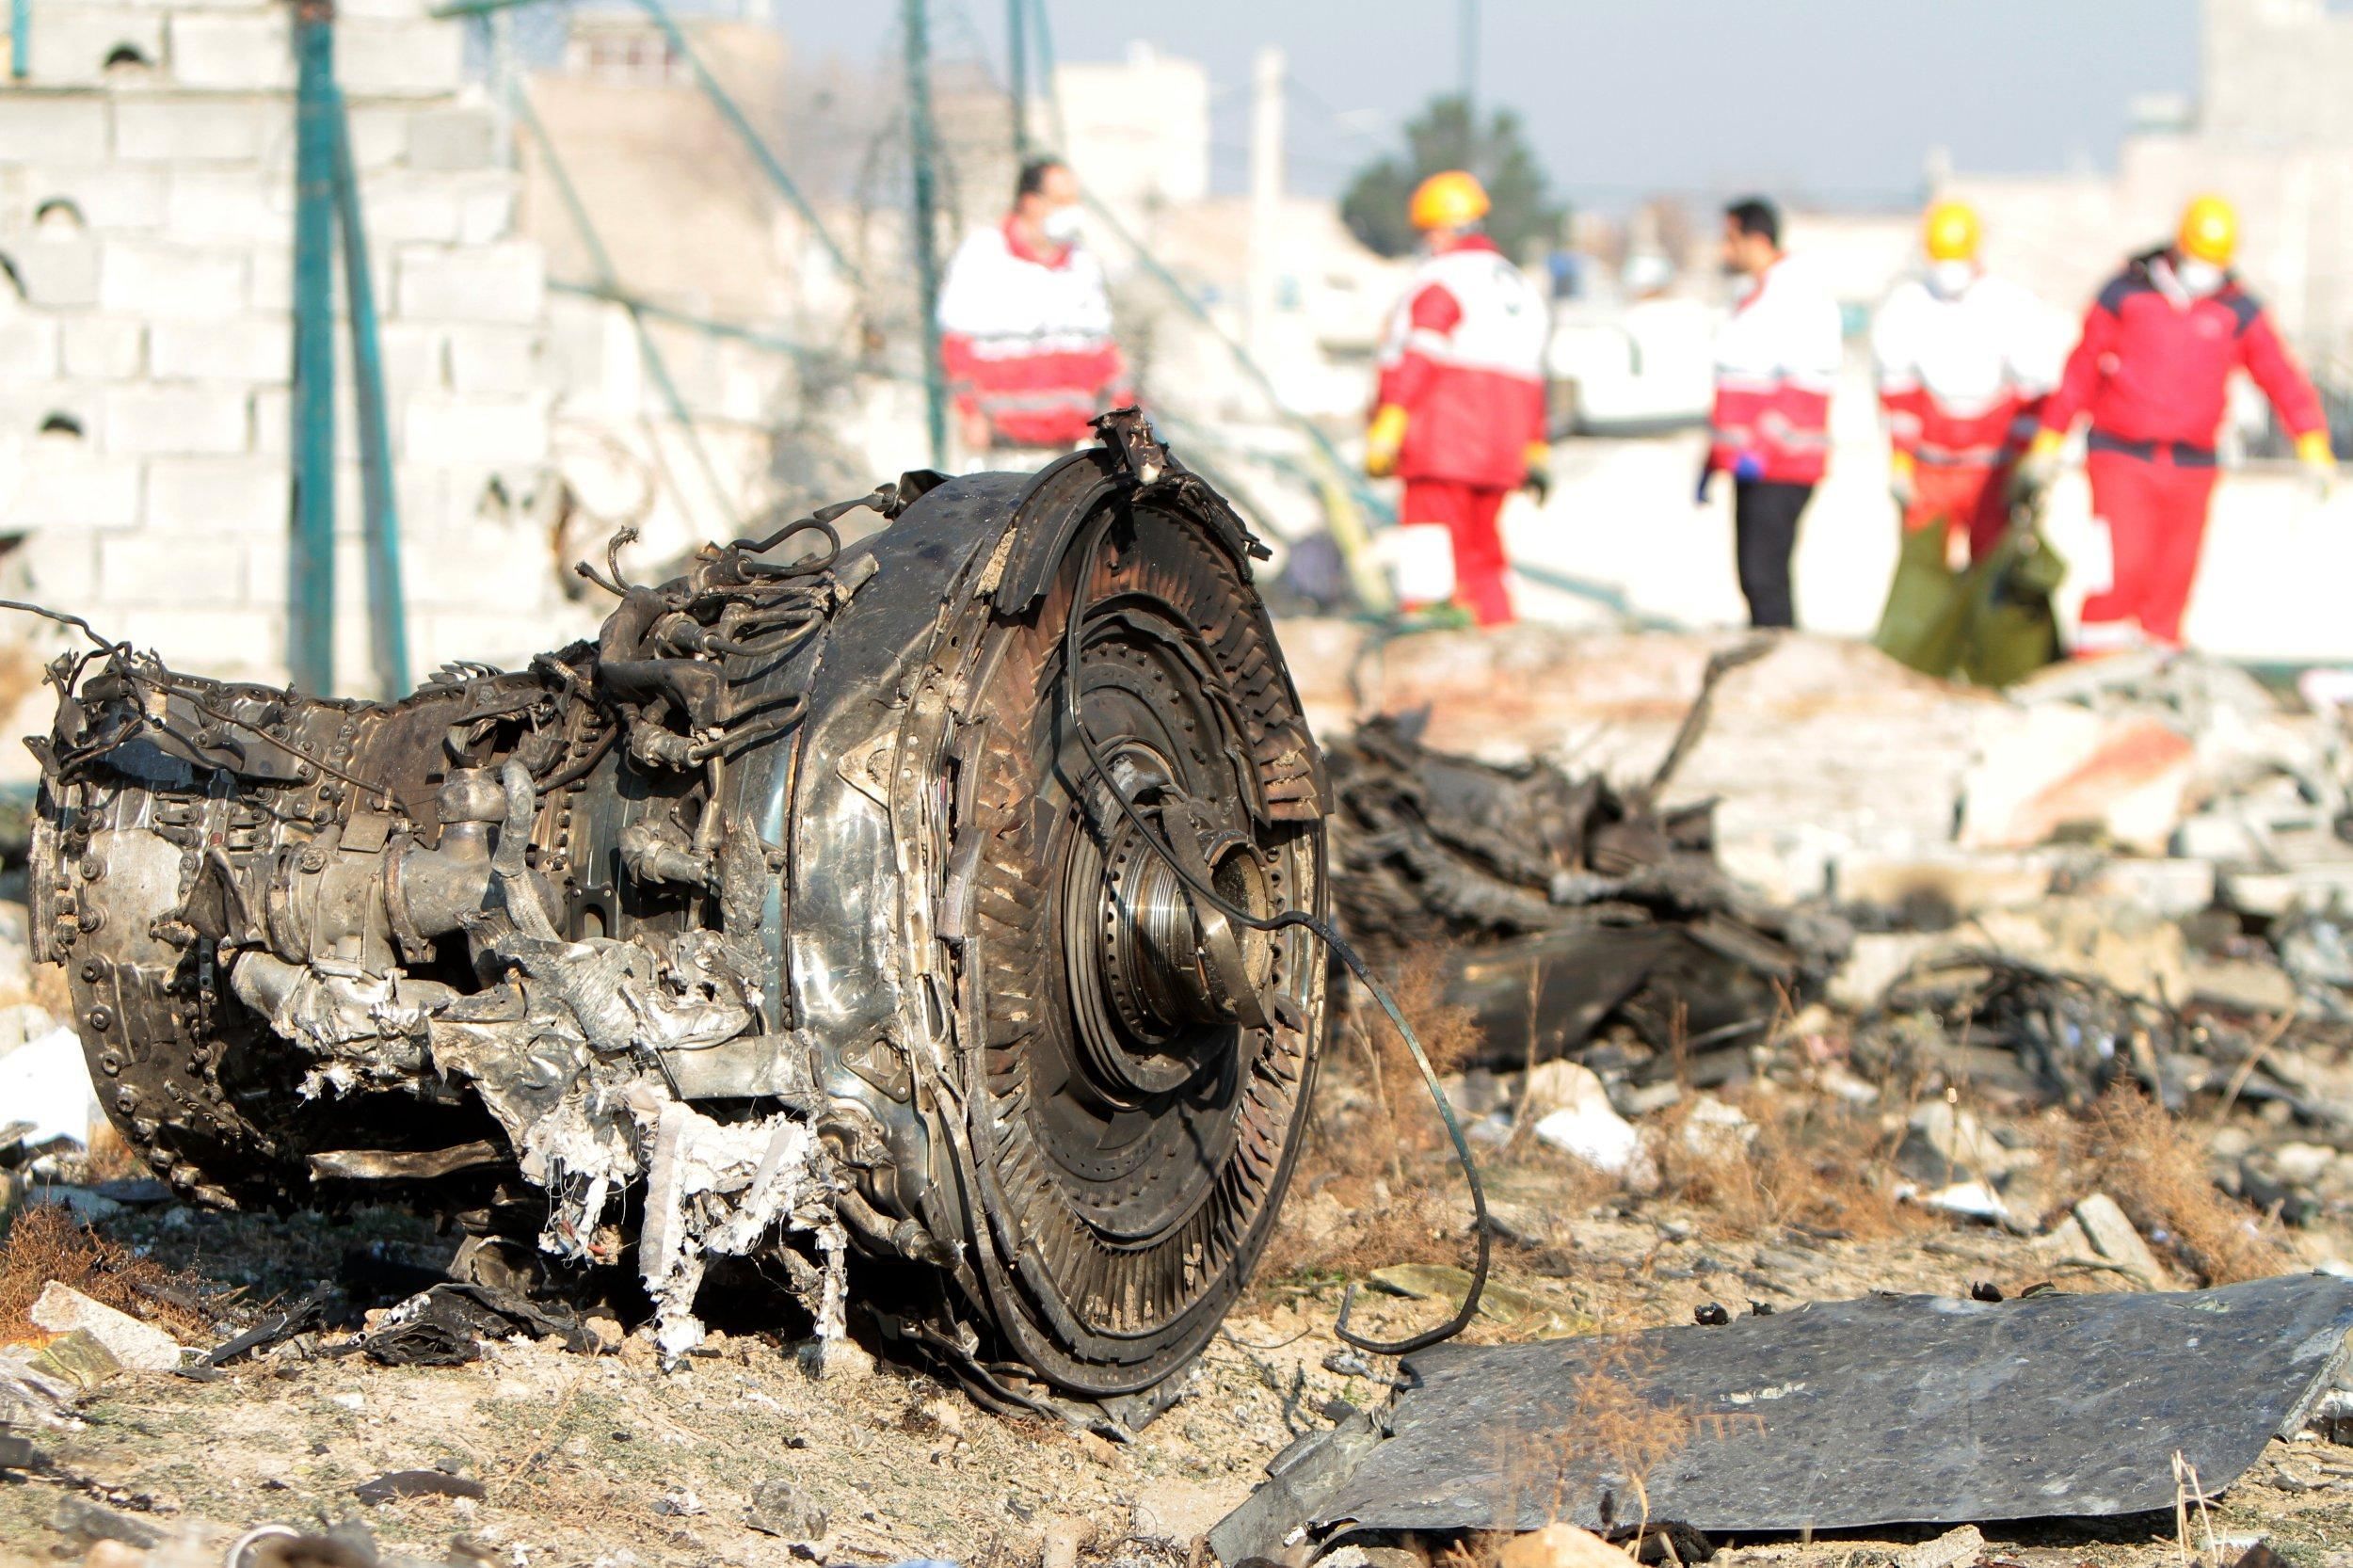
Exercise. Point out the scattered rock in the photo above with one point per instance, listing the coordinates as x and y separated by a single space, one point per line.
396 1484
135 1346
1580 1123
1718 1131
2115 1239
680 1502
779 1508
841 1358
1560 1546
76 1360
1065 1538
1950 1550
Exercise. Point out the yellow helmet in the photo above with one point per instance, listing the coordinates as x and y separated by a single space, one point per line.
1453 200
1951 232
2210 231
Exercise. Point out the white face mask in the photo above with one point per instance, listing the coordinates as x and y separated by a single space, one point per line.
2197 279
1951 280
1064 225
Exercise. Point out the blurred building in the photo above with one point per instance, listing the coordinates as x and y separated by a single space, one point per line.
2271 128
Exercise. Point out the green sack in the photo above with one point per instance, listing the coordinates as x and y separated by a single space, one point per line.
2012 629
1927 607
1992 624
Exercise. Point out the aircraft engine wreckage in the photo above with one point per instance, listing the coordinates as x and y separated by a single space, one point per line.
788 918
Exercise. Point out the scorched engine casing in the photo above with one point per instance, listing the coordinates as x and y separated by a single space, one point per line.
790 915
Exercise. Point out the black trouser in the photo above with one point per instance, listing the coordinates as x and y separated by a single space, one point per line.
1765 534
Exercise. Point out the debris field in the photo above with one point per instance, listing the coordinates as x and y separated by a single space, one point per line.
2064 1011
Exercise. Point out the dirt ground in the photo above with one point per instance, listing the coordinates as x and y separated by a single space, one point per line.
607 1458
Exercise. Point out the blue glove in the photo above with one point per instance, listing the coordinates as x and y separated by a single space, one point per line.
1707 477
1750 466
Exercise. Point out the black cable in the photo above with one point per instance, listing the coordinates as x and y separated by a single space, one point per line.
1073 641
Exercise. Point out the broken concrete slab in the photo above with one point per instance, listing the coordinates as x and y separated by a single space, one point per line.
2126 779
2118 1241
2095 1393
138 1347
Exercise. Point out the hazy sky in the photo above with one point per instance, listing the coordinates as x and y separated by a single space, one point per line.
1837 98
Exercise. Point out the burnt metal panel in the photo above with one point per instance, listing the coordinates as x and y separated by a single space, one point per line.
1887 1410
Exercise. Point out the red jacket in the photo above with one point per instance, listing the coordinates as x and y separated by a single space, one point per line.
1776 360
2153 362
1464 357
1026 339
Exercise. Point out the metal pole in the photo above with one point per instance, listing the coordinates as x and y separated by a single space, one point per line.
1017 30
753 142
388 606
311 559
921 144
20 39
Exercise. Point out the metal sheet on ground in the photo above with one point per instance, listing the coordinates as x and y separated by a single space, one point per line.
1889 1409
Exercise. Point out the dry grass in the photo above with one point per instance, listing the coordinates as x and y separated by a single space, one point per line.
45 1243
1813 1162
1375 1145
2154 1164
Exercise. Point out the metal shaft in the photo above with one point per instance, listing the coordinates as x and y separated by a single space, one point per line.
921 149
311 607
388 605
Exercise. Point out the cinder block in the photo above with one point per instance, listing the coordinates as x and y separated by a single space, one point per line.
107 197
28 349
379 133
273 419
503 283
403 208
416 357
250 348
235 642
244 494
144 420
486 210
38 127
398 57
63 484
269 278
237 51
480 564
462 137
248 206
57 271
475 429
171 282
148 567
494 361
72 43
64 410
60 567
101 348
203 130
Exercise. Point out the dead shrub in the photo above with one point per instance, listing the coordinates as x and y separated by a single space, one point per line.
46 1242
1813 1163
2155 1165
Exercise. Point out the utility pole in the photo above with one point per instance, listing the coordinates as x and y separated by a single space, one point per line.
1018 41
921 144
1266 197
310 559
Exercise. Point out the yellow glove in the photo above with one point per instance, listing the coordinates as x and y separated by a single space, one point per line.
1538 460
1902 479
1383 439
2312 450
2038 467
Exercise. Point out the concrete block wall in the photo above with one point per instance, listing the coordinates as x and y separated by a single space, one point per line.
146 232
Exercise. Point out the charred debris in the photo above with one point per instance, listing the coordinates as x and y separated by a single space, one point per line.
790 918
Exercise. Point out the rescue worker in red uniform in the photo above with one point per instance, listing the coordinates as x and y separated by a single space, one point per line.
1025 323
2150 371
1460 414
1776 359
1964 362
